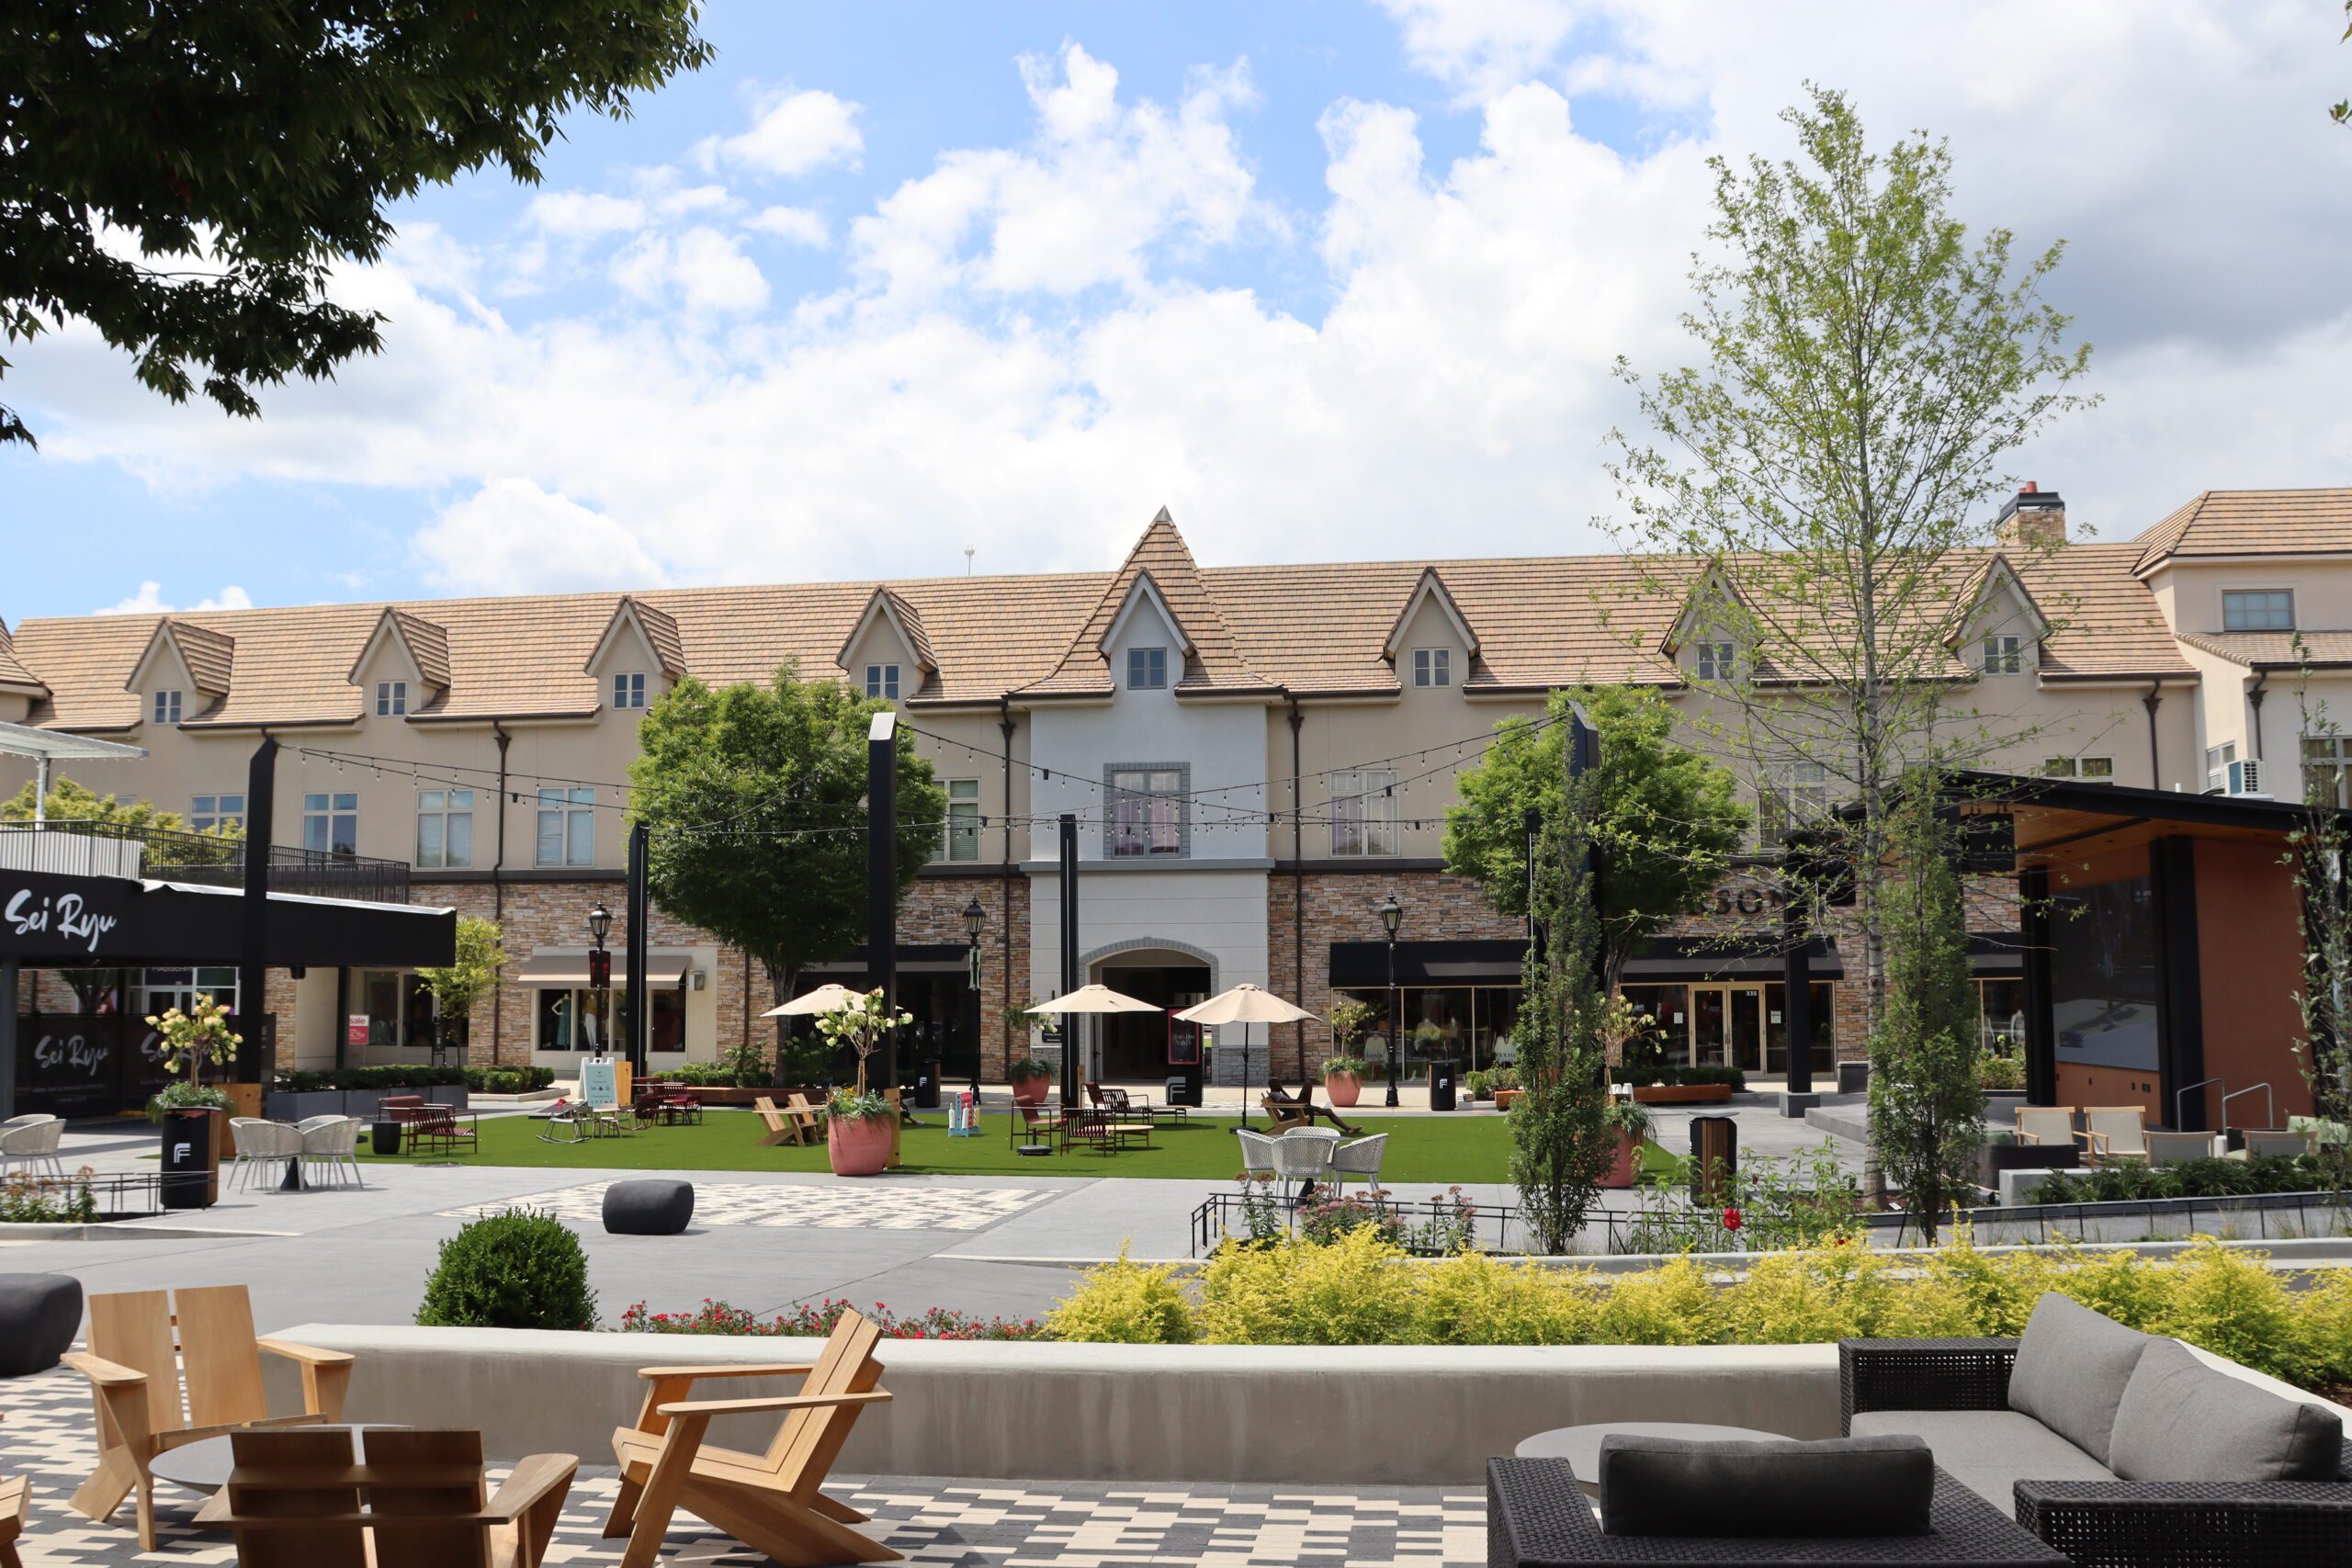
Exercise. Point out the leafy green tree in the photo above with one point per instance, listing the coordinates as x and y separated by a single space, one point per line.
1666 820
455 987
2321 857
1868 372
72 802
1927 1106
756 799
186 175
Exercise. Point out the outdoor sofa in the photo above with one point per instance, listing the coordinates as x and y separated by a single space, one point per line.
2119 1448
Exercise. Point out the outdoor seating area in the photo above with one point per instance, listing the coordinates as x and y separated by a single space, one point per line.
29 1146
1308 1156
319 1151
2114 1134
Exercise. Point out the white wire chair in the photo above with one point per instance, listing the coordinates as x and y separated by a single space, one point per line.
332 1145
1257 1153
264 1147
1303 1154
1360 1158
31 1142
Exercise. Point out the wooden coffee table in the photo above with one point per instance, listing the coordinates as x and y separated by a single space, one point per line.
1580 1446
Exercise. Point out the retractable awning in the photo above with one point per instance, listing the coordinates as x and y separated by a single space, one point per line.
664 966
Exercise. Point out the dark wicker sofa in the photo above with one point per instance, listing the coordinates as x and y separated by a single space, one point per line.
2099 1523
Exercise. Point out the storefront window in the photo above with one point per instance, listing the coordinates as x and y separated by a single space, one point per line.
668 1031
573 1020
157 989
2001 1016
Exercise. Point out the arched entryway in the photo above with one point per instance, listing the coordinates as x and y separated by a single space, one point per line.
1170 974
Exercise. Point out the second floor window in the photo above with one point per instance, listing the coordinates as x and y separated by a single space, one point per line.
2098 770
2004 655
568 826
2327 770
213 813
445 828
2258 610
882 681
391 698
1797 796
167 708
1432 667
628 691
1147 811
963 818
331 823
1363 811
1713 660
1146 669
2217 765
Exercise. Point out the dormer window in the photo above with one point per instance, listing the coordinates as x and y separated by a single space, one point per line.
2257 609
167 708
1146 669
391 698
1713 660
2004 655
628 691
882 681
1432 667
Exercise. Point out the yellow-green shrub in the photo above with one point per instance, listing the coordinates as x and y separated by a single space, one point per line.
2125 1286
2325 1309
1962 1293
1671 1304
1818 1293
1358 1290
1471 1299
1123 1302
2231 1303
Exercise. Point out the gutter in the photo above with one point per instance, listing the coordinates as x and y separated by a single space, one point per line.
2253 695
1298 878
498 884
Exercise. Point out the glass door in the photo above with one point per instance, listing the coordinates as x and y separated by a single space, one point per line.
1710 1025
1747 1031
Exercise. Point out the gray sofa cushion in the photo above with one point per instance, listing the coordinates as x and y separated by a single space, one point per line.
2071 1369
1988 1452
2180 1420
1878 1485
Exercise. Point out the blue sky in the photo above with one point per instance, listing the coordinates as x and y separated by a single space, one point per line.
1331 279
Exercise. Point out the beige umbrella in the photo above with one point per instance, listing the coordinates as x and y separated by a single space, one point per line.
1093 999
827 997
1246 1004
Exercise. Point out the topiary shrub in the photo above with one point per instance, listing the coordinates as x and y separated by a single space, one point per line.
1125 1304
516 1269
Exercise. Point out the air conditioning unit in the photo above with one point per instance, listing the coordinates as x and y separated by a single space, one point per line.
2246 779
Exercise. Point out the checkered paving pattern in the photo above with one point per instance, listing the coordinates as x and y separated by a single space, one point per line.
860 1206
45 1435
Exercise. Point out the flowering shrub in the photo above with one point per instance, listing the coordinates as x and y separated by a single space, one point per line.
816 1320
47 1201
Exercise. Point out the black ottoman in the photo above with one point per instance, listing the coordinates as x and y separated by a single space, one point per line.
649 1208
39 1314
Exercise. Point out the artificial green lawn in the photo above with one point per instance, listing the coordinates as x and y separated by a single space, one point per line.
1437 1148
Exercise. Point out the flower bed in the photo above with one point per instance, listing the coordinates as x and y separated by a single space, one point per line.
808 1322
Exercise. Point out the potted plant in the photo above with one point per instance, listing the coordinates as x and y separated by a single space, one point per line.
1343 1079
1343 1071
859 1128
1031 1076
1628 1124
1503 1084
187 1040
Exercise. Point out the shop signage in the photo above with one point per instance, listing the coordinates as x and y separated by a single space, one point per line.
354 1029
78 919
1749 900
600 1084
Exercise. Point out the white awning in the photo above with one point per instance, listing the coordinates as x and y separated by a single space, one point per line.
664 966
57 745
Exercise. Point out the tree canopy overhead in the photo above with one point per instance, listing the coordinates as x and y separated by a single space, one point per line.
184 174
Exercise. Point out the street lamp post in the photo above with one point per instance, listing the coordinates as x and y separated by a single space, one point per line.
600 966
1392 915
975 918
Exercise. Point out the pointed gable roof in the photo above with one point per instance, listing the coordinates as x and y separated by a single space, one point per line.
1713 584
14 676
1997 573
1161 566
1432 586
427 644
658 628
901 615
207 655
2282 522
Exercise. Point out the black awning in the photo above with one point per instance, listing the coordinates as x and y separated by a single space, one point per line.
1744 958
61 921
914 958
1995 953
1358 965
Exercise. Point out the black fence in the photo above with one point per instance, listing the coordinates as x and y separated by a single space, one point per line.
106 1197
71 848
88 1064
1434 1227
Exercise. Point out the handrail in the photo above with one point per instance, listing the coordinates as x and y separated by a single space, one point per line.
2178 1119
2269 1105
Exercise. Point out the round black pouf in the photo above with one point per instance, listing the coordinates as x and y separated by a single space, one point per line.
39 1314
649 1208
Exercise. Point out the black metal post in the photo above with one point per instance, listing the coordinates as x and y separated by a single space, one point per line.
8 967
882 878
1395 1023
640 912
1069 825
2041 1021
980 1019
252 954
1796 1005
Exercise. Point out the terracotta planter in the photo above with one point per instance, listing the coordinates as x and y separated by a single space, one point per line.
1503 1097
1030 1091
1625 1167
858 1145
1343 1088
1682 1094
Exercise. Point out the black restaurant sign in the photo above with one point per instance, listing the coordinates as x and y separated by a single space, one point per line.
78 918
87 1064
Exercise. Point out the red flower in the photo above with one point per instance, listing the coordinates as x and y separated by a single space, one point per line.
1731 1219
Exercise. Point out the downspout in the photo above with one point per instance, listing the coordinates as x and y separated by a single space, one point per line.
1297 876
1004 727
2155 764
498 887
2254 694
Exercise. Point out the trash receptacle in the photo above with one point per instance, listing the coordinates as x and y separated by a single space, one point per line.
1179 1091
1853 1077
1441 1086
1714 1156
927 1086
191 1164
384 1137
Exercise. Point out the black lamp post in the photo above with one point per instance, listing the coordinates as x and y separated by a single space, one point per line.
599 967
1392 915
974 919
600 922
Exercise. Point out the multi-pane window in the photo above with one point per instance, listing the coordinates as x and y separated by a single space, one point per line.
2004 655
1797 796
2258 609
2327 770
2217 765
445 828
167 708
391 698
1146 669
153 990
1147 811
2097 769
567 826
214 813
628 690
331 823
1432 667
1711 660
963 818
882 681
1363 811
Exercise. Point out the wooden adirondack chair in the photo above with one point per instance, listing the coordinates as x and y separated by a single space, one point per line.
295 1500
796 1123
12 1520
143 1407
771 1502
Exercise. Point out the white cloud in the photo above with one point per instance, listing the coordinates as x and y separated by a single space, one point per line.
510 535
576 214
700 268
792 134
1482 46
149 601
800 225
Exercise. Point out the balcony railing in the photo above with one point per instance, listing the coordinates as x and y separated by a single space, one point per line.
72 848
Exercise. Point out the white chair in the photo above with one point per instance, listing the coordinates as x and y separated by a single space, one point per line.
2046 1124
2266 1142
264 1149
332 1146
31 1142
1361 1157
2177 1148
1304 1154
1257 1153
2115 1131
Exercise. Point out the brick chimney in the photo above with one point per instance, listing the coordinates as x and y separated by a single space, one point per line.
2033 519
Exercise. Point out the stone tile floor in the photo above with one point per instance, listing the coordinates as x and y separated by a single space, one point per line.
45 1435
818 1208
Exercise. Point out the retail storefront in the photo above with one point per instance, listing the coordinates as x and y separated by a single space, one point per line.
570 1017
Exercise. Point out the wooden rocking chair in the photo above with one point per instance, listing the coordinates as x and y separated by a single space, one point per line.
295 1501
771 1502
142 1408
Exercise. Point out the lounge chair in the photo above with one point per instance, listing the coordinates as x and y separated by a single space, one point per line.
2115 1133
333 1146
2049 1124
2272 1142
2177 1148
31 1142
1300 1110
262 1146
416 1498
798 1123
1304 1154
773 1501
1257 1153
146 1405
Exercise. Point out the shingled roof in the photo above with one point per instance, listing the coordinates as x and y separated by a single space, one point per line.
1161 565
2251 522
13 674
2276 651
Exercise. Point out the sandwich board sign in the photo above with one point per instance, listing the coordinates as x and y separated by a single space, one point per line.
600 1081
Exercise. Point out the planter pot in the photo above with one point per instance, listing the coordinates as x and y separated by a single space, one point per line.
858 1147
1994 1158
1030 1091
309 1103
2001 1106
1504 1096
1343 1088
1682 1094
1625 1165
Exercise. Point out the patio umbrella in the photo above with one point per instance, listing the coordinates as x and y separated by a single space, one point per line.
1096 1000
827 997
1246 1004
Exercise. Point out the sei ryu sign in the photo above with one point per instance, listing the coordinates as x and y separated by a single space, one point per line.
67 916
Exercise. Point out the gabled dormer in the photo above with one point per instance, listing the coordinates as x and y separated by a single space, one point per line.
183 670
403 668
887 653
2002 630
1432 646
19 687
1201 657
1707 637
638 657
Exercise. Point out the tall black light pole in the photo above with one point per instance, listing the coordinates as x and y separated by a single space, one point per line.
600 966
1392 915
975 918
638 1003
882 876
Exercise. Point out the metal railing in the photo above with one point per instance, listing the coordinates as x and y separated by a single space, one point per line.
78 848
1436 1227
132 1197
